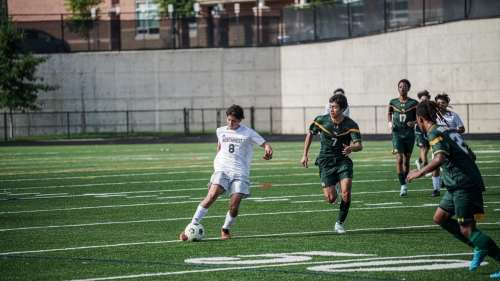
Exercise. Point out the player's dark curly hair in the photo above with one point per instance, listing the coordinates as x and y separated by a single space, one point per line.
339 90
424 93
406 82
443 96
236 111
341 100
430 111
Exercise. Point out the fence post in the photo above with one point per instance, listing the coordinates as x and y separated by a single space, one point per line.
186 121
217 117
202 121
126 112
385 24
67 121
468 121
5 124
314 19
271 119
375 120
423 12
252 124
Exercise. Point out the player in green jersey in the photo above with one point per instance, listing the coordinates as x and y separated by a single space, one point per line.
337 132
402 120
463 181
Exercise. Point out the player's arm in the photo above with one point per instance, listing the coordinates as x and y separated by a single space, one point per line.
461 130
436 162
269 151
218 147
307 144
353 148
389 119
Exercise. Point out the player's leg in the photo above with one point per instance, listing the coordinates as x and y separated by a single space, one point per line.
345 171
239 189
470 209
436 183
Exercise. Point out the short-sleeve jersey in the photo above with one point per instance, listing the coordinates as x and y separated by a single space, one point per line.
452 120
327 110
236 149
402 113
460 171
335 135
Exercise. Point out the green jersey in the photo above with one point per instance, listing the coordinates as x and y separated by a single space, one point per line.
460 171
402 113
335 135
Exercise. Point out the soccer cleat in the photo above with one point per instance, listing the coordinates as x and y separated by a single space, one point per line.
436 193
337 192
428 174
404 192
225 233
339 228
418 164
495 275
183 236
477 260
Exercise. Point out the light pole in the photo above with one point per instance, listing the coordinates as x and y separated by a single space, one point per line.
172 27
196 7
237 13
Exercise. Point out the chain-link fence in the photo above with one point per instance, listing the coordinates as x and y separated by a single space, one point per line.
477 118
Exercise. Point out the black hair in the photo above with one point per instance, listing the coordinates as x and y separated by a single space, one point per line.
424 93
406 82
442 96
236 111
339 90
431 111
341 100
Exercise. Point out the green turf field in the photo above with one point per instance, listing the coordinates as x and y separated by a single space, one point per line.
114 212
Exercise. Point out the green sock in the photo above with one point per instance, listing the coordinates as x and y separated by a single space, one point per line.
485 244
425 164
402 178
453 227
406 174
344 209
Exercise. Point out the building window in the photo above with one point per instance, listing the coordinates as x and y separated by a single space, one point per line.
147 19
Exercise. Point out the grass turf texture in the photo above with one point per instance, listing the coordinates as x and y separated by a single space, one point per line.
115 211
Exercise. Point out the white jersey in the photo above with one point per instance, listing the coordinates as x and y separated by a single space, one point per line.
453 120
236 149
327 110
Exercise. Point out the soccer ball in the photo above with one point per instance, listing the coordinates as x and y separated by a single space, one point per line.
194 232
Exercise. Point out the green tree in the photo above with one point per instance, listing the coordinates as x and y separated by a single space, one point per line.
183 8
81 21
19 84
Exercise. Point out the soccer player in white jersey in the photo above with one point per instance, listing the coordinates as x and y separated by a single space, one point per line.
452 121
232 167
327 107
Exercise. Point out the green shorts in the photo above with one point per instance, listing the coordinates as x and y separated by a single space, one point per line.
422 141
332 171
468 207
402 145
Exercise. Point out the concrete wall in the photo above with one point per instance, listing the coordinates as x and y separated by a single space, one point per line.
460 58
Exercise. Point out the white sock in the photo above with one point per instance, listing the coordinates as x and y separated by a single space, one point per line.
199 214
435 182
403 187
229 221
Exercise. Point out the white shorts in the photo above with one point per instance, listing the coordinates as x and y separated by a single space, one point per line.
232 182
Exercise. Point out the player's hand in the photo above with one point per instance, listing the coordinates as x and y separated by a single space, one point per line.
413 174
347 150
411 124
304 161
268 156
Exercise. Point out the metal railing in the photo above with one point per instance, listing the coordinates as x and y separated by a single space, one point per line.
270 27
477 118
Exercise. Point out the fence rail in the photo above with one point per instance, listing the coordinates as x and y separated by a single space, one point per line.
477 118
270 27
